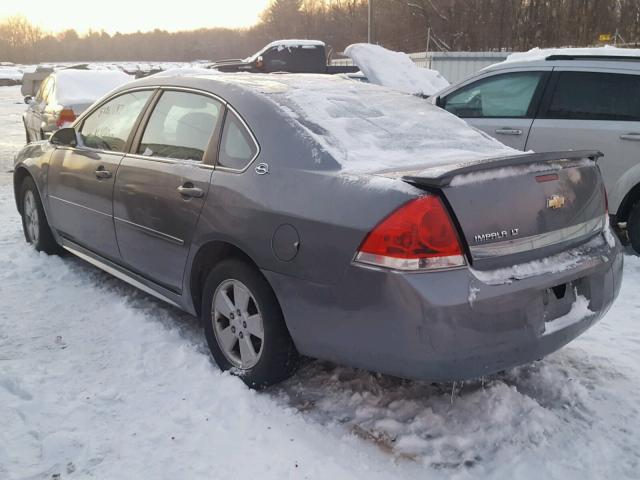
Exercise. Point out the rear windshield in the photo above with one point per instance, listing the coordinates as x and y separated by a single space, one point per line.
366 127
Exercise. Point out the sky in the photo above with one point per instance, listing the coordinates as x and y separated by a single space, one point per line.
132 15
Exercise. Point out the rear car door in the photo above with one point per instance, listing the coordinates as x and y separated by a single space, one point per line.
35 111
500 104
81 179
593 109
162 184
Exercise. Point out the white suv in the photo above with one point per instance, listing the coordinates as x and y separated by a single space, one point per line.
560 101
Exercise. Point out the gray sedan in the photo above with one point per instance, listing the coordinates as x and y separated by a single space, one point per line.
318 216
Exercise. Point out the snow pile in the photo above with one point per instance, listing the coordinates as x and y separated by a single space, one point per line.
366 127
395 70
81 87
542 53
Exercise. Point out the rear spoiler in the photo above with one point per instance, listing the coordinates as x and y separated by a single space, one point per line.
438 177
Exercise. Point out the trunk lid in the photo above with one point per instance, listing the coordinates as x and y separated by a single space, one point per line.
517 209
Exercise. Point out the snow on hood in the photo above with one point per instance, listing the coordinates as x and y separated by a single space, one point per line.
395 70
542 53
368 128
82 87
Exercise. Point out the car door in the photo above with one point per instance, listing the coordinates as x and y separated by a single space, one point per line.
500 104
593 109
162 184
81 179
36 108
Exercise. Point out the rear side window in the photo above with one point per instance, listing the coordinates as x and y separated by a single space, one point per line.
237 147
509 95
596 96
180 126
299 58
108 127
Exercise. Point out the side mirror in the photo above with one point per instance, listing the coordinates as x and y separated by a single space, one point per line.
260 63
28 99
440 102
65 137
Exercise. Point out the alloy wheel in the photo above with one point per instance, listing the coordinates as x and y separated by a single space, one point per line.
31 218
237 324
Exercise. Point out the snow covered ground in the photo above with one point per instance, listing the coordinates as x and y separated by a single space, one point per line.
98 380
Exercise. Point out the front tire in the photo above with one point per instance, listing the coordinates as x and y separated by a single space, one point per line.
244 325
633 228
34 222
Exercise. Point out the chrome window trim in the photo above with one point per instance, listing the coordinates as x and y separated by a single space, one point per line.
534 242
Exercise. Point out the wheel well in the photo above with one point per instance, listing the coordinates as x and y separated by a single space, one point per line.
18 177
207 257
627 203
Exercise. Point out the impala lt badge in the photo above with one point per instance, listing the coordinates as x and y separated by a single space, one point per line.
556 201
501 235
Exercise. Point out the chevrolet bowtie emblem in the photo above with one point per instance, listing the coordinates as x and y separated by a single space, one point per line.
556 201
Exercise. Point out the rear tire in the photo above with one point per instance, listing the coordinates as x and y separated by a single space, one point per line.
34 222
244 325
633 227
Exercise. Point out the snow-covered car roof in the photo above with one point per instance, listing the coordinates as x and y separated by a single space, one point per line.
366 127
81 87
395 70
541 54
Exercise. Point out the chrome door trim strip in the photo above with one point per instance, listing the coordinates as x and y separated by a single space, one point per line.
118 274
78 205
534 242
152 232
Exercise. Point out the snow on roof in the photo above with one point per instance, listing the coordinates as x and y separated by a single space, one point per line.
542 53
395 70
81 87
367 127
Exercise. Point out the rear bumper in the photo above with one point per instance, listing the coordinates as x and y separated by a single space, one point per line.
447 325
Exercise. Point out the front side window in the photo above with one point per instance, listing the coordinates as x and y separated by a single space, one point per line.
180 126
508 95
596 96
108 127
237 148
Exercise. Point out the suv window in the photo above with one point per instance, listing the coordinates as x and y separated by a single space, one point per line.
237 148
507 95
180 126
596 96
108 127
45 89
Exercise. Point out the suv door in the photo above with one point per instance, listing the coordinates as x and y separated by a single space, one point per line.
500 104
594 109
161 188
81 179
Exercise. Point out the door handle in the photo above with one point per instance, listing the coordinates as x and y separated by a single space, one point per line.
188 190
634 137
509 131
102 173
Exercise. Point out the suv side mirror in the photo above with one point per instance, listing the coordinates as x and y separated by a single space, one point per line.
440 102
65 137
28 99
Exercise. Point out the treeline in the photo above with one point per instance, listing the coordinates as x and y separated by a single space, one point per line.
408 25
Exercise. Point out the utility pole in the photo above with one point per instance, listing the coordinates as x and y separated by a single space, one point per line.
369 21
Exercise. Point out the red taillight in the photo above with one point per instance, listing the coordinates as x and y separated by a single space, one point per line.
419 235
66 116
